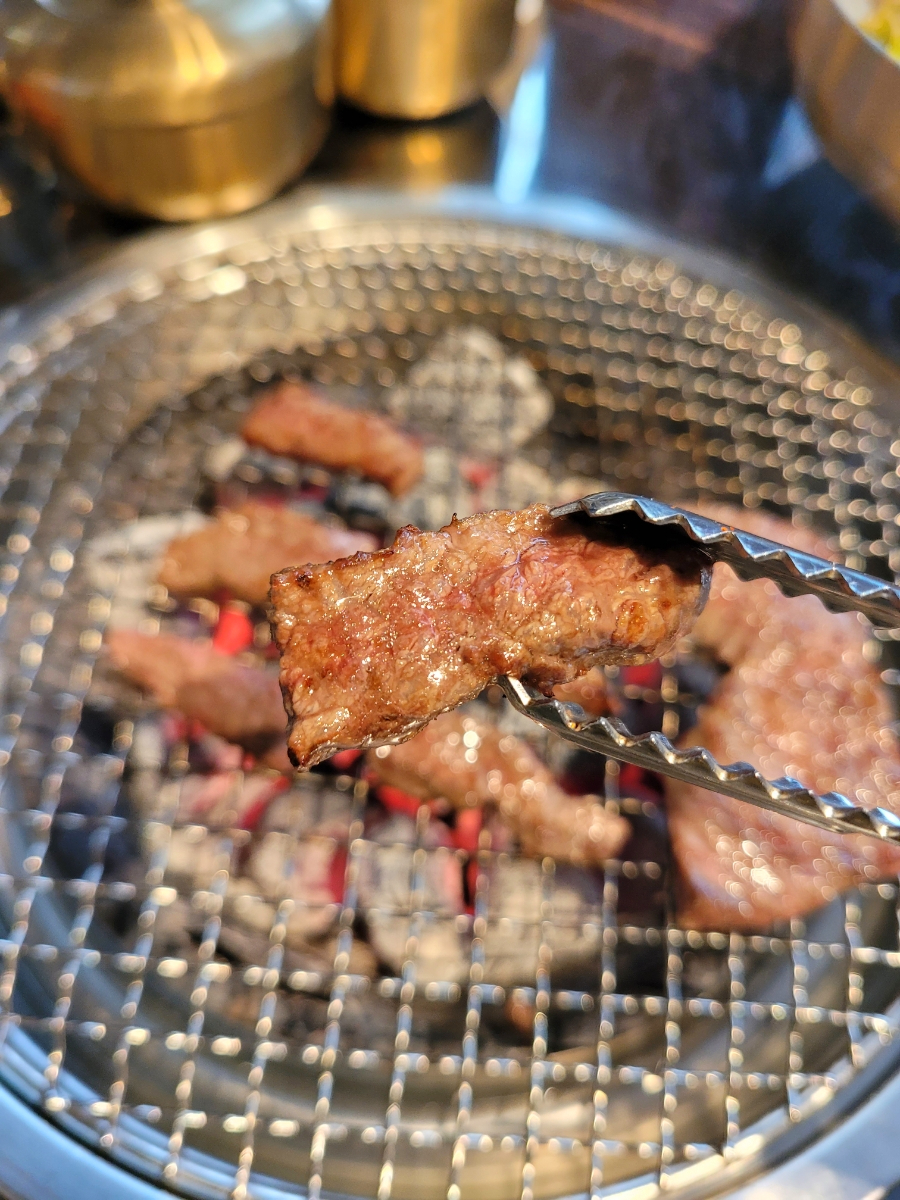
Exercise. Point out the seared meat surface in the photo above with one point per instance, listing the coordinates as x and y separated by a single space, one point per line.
239 703
241 550
297 421
469 763
375 646
802 699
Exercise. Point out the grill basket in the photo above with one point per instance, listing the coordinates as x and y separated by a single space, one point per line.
138 1013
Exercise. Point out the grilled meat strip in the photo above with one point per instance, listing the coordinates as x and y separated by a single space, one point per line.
375 646
469 763
239 703
800 699
241 550
297 421
591 691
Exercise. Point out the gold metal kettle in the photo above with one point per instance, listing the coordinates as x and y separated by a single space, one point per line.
177 109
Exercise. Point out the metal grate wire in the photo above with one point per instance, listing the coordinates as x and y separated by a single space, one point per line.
665 1055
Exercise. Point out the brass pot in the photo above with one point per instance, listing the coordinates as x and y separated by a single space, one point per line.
419 58
177 109
851 88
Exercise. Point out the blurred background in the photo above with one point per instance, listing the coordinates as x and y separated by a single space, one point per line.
728 123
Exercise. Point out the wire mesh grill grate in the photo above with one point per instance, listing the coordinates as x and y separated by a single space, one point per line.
168 1016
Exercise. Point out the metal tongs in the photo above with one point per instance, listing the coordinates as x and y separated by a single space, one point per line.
840 590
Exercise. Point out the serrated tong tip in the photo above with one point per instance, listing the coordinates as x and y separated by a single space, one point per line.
750 557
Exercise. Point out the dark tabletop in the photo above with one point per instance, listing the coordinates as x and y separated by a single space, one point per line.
677 111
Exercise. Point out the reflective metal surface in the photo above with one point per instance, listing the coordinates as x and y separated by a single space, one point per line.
419 58
176 109
131 1018
753 557
750 557
851 88
655 752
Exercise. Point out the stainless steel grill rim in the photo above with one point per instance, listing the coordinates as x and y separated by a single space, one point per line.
112 370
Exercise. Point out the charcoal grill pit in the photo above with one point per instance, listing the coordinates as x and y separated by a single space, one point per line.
221 1065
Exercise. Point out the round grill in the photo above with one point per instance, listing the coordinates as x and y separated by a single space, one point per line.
142 1013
